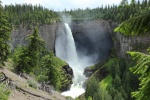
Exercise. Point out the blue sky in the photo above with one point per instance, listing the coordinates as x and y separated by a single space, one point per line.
59 5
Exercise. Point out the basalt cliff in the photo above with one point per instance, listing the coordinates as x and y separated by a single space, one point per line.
90 36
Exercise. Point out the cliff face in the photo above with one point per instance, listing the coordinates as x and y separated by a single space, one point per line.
90 36
93 36
123 44
47 32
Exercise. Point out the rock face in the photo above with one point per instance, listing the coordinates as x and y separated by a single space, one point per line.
88 72
47 32
68 79
88 30
89 37
123 44
92 38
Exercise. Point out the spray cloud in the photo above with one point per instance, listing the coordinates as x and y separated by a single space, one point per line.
80 51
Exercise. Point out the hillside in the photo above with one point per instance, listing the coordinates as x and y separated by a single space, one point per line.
22 91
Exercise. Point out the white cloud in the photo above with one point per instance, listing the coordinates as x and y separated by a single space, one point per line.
68 4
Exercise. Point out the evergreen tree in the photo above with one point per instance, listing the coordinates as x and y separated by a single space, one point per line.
54 70
118 96
92 88
117 82
29 56
135 25
142 68
4 36
124 2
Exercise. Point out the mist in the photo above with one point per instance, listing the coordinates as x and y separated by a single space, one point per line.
80 50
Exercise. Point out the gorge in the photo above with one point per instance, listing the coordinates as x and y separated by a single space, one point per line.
93 39
87 44
93 53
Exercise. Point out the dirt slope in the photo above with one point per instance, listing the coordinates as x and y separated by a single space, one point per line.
21 90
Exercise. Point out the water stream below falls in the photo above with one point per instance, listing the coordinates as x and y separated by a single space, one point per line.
66 50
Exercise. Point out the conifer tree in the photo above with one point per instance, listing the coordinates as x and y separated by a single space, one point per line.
4 36
142 68
29 56
138 26
51 63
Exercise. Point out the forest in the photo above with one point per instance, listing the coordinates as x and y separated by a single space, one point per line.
127 78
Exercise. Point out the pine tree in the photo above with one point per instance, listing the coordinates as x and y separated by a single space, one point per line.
29 56
135 25
142 68
4 36
92 88
54 70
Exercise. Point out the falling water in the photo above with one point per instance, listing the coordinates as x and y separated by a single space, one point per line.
66 50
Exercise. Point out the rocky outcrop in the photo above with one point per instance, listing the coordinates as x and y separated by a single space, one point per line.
88 71
68 78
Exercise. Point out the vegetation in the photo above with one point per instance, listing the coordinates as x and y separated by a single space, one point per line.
54 72
118 83
4 92
29 15
28 57
138 26
142 69
4 36
105 82
32 84
36 60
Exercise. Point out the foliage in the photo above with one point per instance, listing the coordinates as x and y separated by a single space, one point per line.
118 13
42 77
96 91
36 59
28 58
118 82
32 84
142 68
105 82
139 25
135 25
4 93
92 88
89 98
4 36
27 14
52 68
123 81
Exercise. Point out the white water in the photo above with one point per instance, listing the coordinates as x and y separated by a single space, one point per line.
66 50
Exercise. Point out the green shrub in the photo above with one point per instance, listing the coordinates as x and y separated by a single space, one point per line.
41 78
32 84
4 93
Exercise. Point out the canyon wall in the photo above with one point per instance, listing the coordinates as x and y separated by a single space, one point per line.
90 37
47 32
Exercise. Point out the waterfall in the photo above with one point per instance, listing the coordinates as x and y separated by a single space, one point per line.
66 50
